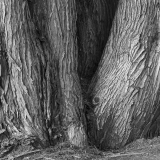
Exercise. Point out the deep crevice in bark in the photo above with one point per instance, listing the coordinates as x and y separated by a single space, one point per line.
4 72
94 21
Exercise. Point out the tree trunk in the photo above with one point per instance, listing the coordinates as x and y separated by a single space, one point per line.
58 23
43 95
21 79
125 88
43 70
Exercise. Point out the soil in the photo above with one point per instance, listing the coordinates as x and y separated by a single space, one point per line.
141 149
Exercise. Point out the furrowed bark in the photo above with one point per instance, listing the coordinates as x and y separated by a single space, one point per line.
125 89
22 88
41 12
58 28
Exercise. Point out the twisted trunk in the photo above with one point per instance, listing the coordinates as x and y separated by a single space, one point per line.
125 89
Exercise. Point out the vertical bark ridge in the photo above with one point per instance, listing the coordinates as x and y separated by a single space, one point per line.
59 19
22 107
41 12
125 88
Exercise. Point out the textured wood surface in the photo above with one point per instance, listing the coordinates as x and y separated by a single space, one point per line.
56 26
22 94
125 88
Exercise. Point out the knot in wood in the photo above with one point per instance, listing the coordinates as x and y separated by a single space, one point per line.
96 100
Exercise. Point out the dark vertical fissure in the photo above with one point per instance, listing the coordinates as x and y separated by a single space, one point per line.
94 21
45 98
4 72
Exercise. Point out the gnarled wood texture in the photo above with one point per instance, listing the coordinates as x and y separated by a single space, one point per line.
56 24
22 91
125 89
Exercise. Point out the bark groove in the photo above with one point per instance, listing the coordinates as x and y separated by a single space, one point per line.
94 22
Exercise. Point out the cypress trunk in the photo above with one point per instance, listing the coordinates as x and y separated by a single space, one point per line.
125 88
21 59
43 94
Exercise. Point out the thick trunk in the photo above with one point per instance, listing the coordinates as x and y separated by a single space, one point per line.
56 25
40 92
21 61
125 89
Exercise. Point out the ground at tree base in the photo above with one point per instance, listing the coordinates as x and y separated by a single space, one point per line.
141 149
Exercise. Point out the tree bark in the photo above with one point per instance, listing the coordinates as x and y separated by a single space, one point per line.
125 88
56 24
22 58
42 65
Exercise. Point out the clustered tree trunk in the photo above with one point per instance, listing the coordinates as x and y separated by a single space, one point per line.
69 74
